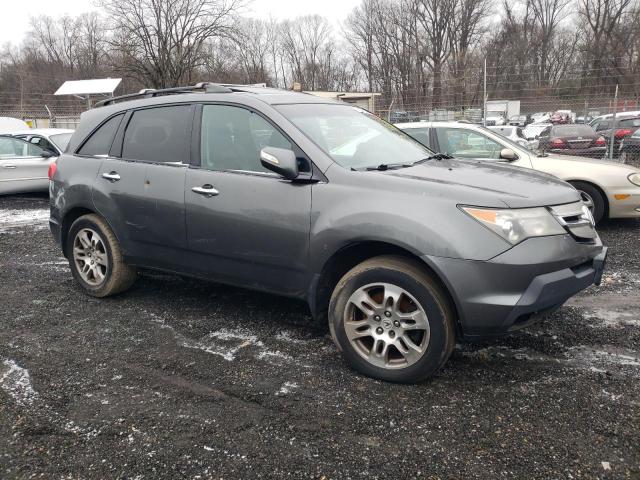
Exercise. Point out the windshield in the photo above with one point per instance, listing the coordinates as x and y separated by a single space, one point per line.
61 140
353 137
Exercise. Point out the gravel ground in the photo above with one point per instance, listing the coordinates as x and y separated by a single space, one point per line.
186 379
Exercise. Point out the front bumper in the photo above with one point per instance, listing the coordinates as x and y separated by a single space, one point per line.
515 288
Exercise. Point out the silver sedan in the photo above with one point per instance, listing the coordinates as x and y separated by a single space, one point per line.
23 166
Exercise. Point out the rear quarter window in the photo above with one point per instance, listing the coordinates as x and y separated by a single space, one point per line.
158 134
99 143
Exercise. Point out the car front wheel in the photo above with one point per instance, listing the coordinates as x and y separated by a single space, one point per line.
96 259
391 320
592 198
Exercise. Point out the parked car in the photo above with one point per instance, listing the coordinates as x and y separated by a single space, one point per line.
560 118
10 124
402 116
493 119
520 120
598 118
516 134
581 140
402 250
621 127
55 140
630 149
541 117
533 130
584 119
610 189
23 166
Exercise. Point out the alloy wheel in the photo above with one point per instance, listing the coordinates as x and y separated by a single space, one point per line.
386 325
90 256
587 200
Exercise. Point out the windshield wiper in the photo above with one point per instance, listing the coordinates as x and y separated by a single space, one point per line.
385 166
436 156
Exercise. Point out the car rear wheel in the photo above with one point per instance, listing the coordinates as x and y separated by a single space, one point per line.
96 259
391 320
592 198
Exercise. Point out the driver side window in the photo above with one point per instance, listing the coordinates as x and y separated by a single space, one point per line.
15 148
467 144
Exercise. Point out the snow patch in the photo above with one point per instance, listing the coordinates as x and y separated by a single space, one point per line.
286 388
16 381
20 218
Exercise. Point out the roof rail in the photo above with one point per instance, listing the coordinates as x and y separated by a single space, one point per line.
206 87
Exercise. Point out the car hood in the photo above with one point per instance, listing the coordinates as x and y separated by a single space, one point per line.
481 181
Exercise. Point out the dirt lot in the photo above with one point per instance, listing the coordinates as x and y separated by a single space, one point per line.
185 379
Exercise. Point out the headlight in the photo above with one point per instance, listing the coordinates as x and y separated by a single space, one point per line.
515 225
634 178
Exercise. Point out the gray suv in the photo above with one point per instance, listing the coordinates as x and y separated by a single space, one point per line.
401 250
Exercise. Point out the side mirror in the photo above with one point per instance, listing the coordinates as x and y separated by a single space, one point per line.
281 161
47 154
508 154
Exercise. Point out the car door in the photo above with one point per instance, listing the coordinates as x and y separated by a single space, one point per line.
22 166
246 225
140 185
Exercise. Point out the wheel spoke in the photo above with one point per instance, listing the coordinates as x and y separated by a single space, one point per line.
355 330
392 296
408 349
416 320
363 301
84 239
380 350
101 259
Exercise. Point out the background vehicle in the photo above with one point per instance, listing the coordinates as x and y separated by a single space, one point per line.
610 189
516 134
216 181
560 118
54 140
541 117
503 108
622 127
533 130
581 140
520 120
403 116
23 166
10 124
494 118
630 149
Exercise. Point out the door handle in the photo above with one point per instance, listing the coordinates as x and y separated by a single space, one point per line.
206 190
111 176
8 166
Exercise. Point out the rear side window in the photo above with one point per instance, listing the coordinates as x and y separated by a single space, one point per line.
158 134
99 143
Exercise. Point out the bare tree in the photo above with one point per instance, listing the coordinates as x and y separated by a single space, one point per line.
161 42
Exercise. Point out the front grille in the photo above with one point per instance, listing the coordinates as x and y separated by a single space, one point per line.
577 220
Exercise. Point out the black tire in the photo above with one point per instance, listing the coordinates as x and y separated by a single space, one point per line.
119 276
413 278
599 203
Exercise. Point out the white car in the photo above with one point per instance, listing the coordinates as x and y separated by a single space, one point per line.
610 189
533 130
23 166
10 124
516 134
55 140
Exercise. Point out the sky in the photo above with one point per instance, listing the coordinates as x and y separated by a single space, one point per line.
14 20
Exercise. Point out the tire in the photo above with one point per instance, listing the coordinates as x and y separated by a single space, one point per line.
106 274
378 279
591 194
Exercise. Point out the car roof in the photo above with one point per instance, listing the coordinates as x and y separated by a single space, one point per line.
43 131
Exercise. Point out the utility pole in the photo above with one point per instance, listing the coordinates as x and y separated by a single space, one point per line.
612 135
484 105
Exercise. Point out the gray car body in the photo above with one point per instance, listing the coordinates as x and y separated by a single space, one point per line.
297 238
